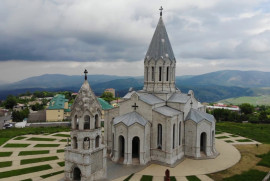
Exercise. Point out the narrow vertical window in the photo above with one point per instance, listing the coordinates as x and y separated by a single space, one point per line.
167 74
147 74
159 138
153 74
180 133
159 73
173 136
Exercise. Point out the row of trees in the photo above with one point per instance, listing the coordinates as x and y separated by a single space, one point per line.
258 114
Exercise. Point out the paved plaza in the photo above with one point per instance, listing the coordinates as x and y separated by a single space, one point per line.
228 157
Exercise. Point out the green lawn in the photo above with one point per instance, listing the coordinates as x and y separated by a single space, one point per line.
5 154
23 171
3 140
254 175
25 153
27 179
51 174
222 137
41 139
265 159
36 160
258 132
61 164
233 135
15 145
147 178
62 135
218 132
5 164
192 178
60 151
244 140
19 138
228 141
129 177
46 145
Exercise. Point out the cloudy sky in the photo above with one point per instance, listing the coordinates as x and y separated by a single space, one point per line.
112 37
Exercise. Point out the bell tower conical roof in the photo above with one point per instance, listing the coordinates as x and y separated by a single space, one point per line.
160 46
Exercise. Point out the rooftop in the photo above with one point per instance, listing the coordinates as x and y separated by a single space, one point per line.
57 102
104 104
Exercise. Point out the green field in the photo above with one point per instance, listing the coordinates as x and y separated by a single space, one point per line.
259 100
36 160
258 132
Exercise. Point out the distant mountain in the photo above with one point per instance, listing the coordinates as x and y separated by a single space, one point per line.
208 87
230 78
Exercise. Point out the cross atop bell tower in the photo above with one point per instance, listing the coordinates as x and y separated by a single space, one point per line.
160 10
85 74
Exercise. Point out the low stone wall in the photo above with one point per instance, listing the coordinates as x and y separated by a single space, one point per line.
50 124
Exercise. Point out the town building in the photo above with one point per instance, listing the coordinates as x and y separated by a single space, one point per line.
58 109
159 123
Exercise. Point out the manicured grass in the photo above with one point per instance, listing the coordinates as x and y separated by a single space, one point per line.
51 174
62 135
3 140
258 132
5 164
129 177
27 179
192 178
147 178
265 159
16 145
5 154
46 145
39 152
19 138
36 160
41 139
248 175
60 151
63 140
172 178
61 164
23 171
218 132
222 137
233 135
228 141
244 140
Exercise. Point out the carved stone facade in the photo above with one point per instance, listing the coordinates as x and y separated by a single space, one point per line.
159 123
85 159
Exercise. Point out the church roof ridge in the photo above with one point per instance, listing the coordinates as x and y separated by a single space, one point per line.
160 46
130 118
198 116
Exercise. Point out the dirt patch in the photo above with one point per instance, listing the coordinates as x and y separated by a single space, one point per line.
248 161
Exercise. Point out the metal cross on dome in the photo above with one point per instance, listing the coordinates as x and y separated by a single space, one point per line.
160 10
85 72
135 106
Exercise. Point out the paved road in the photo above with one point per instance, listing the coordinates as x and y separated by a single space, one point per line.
2 119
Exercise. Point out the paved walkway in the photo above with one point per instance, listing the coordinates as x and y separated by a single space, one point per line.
229 156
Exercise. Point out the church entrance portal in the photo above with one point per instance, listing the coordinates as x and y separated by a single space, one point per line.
121 148
136 149
76 174
203 143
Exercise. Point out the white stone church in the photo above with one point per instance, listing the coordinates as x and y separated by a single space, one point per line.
157 124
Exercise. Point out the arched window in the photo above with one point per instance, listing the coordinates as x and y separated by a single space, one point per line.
167 74
147 74
153 73
86 122
86 143
75 143
180 133
159 137
159 73
75 122
97 141
96 121
173 136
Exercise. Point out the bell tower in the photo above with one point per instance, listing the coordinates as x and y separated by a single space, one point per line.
85 159
159 62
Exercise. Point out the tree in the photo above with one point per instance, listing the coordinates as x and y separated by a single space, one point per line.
107 96
10 102
37 107
246 108
18 116
263 116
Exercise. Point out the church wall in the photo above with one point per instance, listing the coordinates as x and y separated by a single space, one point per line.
119 130
190 138
108 121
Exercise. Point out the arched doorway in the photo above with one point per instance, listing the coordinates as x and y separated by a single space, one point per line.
86 122
136 149
121 148
203 142
76 174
